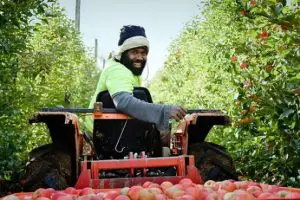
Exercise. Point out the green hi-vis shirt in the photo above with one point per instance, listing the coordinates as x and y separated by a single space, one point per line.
115 78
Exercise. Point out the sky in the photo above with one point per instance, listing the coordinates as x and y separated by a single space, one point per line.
163 21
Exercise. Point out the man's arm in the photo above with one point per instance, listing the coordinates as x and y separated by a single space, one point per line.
154 113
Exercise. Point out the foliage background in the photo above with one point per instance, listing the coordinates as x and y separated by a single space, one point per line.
243 57
43 63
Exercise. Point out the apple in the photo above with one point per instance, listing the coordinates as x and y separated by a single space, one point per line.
25 197
146 184
243 65
263 35
211 196
86 191
244 12
193 191
252 3
71 190
111 194
267 195
185 181
175 191
124 191
233 58
176 194
154 185
212 184
160 197
122 197
270 188
101 195
134 192
58 194
156 190
94 197
269 68
221 193
254 190
166 184
42 198
227 185
293 195
185 197
146 194
42 192
61 196
85 197
11 197
238 194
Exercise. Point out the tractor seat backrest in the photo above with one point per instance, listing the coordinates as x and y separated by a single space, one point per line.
137 135
138 92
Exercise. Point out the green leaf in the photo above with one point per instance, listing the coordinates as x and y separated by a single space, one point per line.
286 113
278 8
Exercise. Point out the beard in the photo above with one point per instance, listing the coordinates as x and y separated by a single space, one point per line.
129 64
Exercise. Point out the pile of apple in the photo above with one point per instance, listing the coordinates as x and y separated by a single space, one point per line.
185 189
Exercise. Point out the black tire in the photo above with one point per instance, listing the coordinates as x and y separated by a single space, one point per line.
213 162
49 167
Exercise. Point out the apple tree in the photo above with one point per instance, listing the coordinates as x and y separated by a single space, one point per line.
243 57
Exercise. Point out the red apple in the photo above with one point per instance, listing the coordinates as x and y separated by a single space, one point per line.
147 184
227 185
101 194
263 35
267 195
244 12
185 197
86 191
111 194
166 184
212 196
221 193
62 196
57 194
239 195
42 198
154 185
233 58
243 65
71 190
122 197
254 190
212 184
193 191
134 192
293 195
42 192
160 197
185 181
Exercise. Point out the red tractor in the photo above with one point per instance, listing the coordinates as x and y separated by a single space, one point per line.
124 151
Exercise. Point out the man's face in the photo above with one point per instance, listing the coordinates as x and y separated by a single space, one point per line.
135 60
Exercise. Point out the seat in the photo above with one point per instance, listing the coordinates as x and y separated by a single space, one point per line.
137 135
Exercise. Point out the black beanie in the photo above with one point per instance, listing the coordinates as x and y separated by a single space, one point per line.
129 31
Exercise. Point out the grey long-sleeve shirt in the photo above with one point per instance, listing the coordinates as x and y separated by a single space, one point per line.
158 114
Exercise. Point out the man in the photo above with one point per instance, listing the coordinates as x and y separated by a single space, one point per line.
122 73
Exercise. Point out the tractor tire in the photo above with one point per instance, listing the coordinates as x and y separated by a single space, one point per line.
49 166
213 162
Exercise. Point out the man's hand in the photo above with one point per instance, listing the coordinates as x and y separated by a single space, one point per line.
178 113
